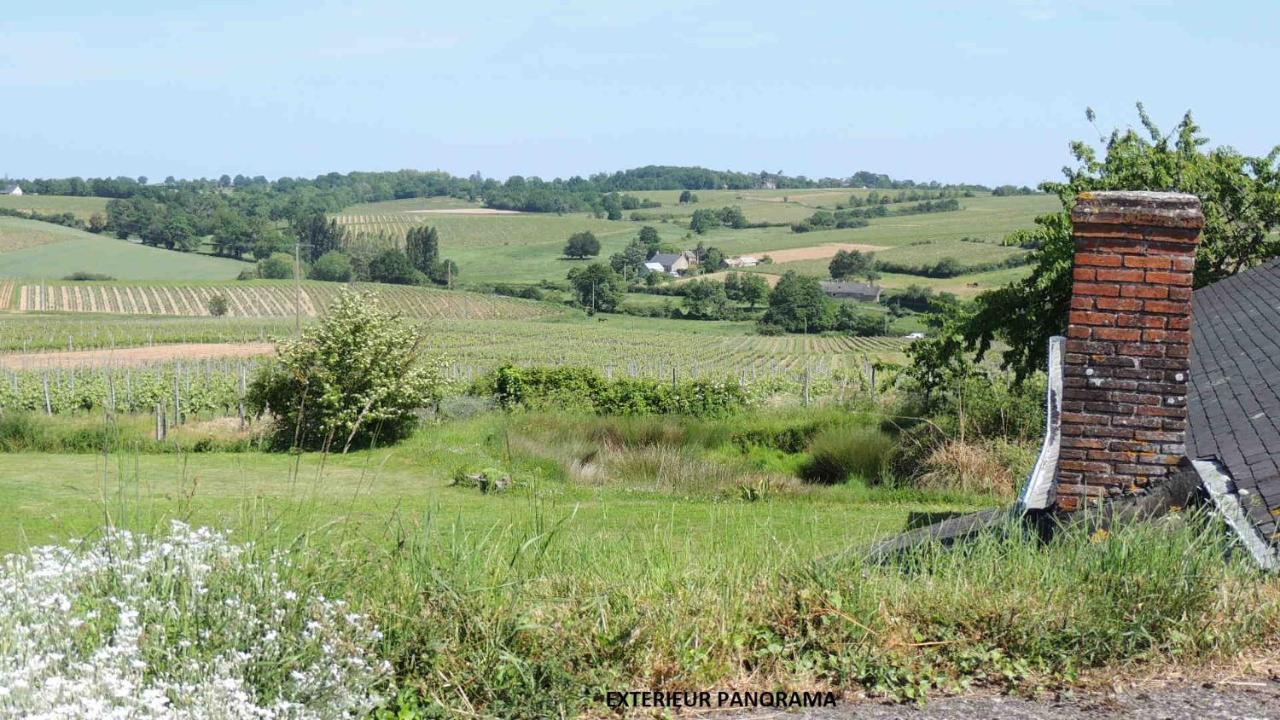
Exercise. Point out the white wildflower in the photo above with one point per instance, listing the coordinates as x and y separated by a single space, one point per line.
179 628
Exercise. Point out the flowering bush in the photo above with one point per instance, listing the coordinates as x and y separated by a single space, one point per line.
353 378
187 625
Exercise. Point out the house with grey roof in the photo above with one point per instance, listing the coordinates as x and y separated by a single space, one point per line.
12 189
845 290
674 263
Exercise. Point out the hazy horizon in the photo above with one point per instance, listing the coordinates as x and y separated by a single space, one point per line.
991 93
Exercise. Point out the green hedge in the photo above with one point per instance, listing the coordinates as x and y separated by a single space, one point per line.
538 388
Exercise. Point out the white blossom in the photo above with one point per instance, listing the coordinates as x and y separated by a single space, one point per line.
182 627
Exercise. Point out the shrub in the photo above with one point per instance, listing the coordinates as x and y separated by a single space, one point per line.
583 388
218 305
393 266
837 454
332 266
86 276
183 626
352 379
278 266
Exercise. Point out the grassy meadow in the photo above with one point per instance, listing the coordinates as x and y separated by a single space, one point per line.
525 248
655 553
81 207
37 250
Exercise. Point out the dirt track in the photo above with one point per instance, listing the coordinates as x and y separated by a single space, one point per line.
1186 701
814 252
465 211
133 356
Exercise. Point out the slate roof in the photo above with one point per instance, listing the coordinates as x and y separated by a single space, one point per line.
1234 395
855 289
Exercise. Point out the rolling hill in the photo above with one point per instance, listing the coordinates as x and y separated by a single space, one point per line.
38 250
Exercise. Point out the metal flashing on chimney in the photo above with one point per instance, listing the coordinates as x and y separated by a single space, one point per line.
1221 490
1037 494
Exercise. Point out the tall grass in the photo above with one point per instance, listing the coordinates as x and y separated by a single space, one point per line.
535 624
838 454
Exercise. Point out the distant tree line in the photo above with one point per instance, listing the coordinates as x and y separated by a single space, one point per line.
289 197
858 217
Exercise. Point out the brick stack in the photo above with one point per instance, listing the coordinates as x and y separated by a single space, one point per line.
1124 413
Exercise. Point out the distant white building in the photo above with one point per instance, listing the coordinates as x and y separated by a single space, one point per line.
654 267
742 261
11 190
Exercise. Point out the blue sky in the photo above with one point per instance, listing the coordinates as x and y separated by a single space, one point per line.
957 91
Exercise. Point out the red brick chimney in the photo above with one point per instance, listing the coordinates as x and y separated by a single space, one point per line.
1124 398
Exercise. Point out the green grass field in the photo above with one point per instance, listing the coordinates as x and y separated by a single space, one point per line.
526 248
50 252
81 207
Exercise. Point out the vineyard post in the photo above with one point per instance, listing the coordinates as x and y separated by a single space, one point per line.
161 429
806 386
673 378
111 391
48 403
177 397
242 419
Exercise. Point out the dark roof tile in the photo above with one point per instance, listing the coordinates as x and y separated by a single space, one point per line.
1233 400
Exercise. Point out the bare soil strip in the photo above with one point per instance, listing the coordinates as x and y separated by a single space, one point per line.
464 211
814 252
121 357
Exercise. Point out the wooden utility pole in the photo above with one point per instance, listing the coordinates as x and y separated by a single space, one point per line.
297 288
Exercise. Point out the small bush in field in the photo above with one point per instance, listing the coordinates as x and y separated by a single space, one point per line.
218 305
840 453
354 378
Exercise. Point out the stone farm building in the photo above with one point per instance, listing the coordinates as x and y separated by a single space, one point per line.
11 190
851 290
674 263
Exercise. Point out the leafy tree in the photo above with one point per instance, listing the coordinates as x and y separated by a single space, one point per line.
317 233
847 264
704 220
279 266
650 239
612 207
753 289
444 273
218 305
233 235
630 262
353 379
393 266
332 266
863 324
687 198
422 246
705 299
712 259
798 304
597 286
581 245
97 223
1241 198
733 217
269 241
